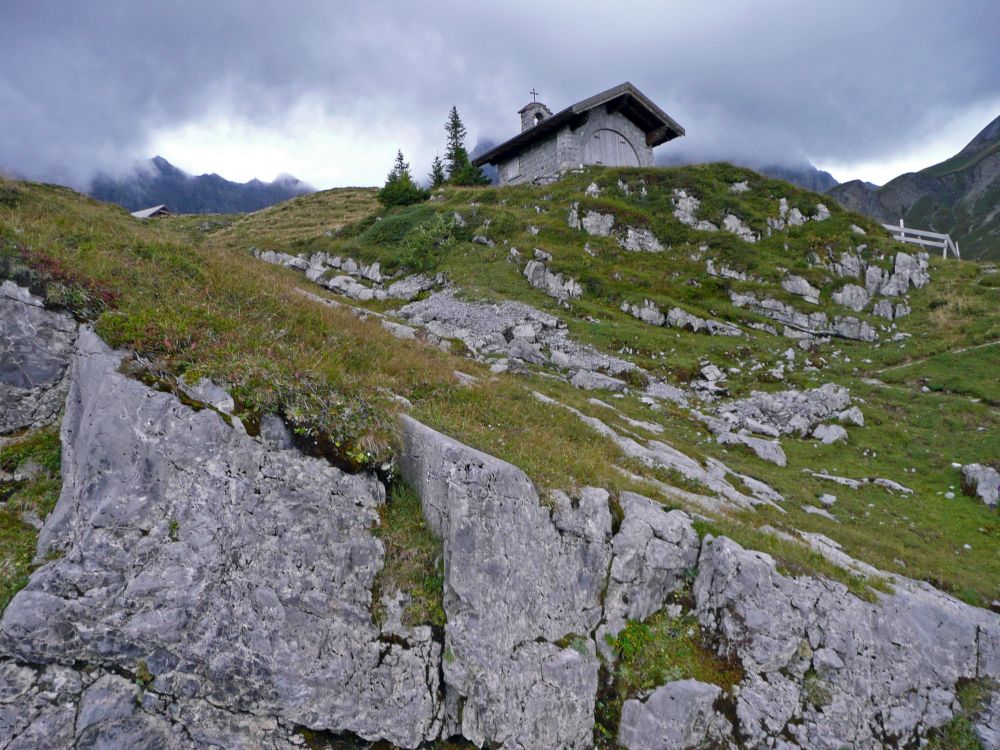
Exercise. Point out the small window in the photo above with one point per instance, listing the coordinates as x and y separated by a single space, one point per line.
539 117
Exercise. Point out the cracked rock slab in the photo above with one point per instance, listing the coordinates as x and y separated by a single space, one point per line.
653 550
677 716
829 670
55 707
36 346
519 577
239 576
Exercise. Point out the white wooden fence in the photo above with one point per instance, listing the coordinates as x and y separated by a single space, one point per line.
923 237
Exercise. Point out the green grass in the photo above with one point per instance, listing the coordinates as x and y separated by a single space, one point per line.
960 733
36 454
969 373
413 559
193 301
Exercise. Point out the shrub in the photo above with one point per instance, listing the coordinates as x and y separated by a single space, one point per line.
399 188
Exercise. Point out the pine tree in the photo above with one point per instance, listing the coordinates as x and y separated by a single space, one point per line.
437 176
461 171
399 188
455 151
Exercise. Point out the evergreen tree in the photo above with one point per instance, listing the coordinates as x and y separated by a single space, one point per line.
399 188
437 176
461 171
455 152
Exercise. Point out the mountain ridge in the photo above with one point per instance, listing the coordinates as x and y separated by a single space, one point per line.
162 182
959 196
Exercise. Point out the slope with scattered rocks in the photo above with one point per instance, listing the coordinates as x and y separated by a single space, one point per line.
586 440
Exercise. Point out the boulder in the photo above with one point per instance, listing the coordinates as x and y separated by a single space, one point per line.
830 433
526 351
852 416
36 346
799 286
638 239
647 312
884 309
737 226
592 222
685 210
677 716
408 288
852 296
849 266
982 482
553 284
767 450
679 318
848 327
596 381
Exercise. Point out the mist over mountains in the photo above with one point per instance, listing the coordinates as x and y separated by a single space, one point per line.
162 182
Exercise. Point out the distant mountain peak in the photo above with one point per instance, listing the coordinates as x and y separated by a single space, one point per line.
187 194
956 196
986 137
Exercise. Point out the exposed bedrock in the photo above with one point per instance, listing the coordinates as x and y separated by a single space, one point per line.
518 578
236 576
197 588
790 412
827 670
36 346
653 549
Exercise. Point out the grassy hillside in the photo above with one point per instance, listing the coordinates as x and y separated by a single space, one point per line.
189 297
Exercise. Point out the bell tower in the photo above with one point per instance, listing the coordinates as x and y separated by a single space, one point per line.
533 113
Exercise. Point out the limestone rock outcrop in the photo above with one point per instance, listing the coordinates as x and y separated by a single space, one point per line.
816 323
518 578
36 346
238 579
680 715
553 284
827 670
787 412
491 328
653 550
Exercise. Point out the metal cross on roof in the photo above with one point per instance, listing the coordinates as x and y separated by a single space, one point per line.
534 94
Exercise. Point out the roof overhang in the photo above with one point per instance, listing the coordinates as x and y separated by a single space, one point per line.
658 126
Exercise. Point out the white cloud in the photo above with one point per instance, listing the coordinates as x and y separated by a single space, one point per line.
953 134
318 147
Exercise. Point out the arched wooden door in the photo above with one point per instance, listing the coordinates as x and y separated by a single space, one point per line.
610 149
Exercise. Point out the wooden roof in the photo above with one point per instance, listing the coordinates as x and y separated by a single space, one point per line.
658 126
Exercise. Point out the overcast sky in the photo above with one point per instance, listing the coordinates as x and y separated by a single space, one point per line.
328 91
